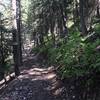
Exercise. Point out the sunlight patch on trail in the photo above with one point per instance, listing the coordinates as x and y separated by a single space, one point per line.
37 73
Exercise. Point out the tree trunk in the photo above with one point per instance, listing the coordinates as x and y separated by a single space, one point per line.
98 9
15 40
82 18
2 60
15 53
18 13
76 13
64 20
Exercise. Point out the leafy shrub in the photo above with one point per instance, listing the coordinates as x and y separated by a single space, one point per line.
76 57
5 50
97 28
35 50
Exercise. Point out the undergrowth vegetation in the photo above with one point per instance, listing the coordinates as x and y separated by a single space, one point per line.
75 57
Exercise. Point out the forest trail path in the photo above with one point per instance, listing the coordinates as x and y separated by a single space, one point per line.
34 83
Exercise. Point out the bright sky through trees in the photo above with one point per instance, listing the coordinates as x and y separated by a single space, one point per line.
3 4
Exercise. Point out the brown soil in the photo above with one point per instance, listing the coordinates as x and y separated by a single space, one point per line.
34 83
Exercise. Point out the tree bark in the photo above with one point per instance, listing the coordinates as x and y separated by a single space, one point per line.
98 9
18 13
15 53
82 18
15 40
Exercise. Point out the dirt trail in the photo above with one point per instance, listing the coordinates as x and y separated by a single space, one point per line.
34 83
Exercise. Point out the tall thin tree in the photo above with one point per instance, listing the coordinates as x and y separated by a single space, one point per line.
82 18
15 39
18 19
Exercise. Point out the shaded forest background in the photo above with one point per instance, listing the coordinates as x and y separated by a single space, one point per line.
61 33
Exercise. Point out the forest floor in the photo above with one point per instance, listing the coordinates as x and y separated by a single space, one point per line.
34 83
39 82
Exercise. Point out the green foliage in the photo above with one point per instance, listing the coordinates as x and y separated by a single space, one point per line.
35 50
6 65
5 49
76 57
97 28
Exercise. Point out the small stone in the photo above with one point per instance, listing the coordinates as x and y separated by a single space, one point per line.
72 87
73 97
24 98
